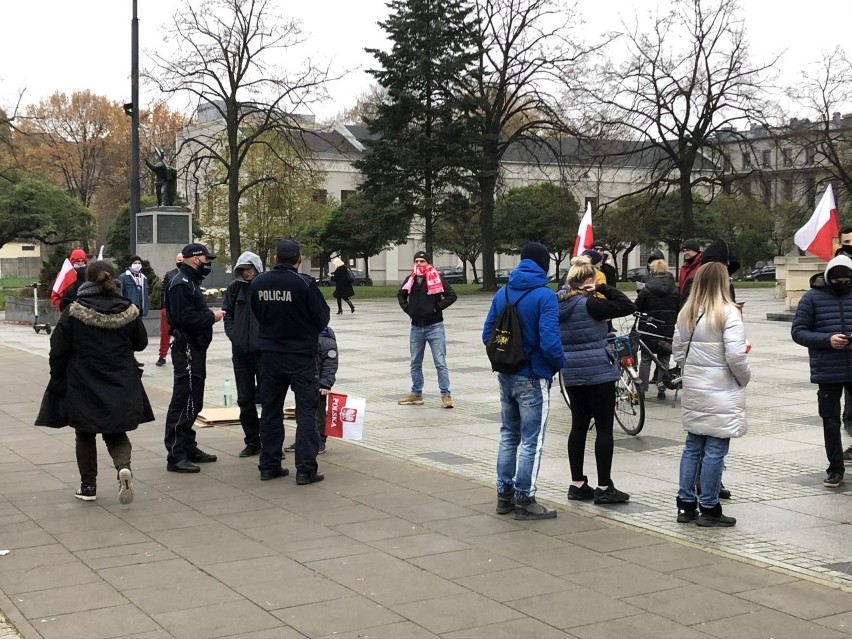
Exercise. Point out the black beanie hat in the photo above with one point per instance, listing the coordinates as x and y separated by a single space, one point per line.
423 255
538 253
692 245
594 257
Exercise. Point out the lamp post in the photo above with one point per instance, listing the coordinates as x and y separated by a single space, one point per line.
134 126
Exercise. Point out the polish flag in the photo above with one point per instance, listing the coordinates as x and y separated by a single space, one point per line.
65 278
817 236
585 237
345 416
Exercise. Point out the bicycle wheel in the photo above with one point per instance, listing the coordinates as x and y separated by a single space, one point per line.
629 403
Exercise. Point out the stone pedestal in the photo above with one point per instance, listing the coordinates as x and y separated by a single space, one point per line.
793 274
161 233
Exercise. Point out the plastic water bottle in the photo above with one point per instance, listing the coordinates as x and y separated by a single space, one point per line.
228 398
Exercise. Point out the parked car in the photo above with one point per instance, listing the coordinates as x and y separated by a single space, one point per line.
361 279
761 274
452 274
502 275
636 274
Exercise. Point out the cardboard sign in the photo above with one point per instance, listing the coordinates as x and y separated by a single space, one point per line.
344 417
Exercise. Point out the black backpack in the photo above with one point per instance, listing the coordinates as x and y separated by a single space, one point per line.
505 345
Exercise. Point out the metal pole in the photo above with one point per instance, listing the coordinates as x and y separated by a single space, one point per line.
134 126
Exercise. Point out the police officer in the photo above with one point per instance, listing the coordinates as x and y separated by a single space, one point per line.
291 312
192 328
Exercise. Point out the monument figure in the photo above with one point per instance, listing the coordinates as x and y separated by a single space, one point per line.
166 183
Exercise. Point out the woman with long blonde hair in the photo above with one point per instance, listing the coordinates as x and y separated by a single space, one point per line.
710 345
590 373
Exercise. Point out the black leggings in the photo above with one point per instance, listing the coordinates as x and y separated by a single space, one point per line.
598 401
340 304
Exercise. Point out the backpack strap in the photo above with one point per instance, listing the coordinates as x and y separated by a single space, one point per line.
516 302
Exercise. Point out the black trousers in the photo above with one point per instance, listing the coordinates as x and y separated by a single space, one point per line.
279 372
598 401
322 405
247 380
828 400
190 371
340 304
119 449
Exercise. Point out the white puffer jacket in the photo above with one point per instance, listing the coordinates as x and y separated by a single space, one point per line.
716 372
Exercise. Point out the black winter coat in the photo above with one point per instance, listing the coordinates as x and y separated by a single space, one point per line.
240 323
95 385
422 308
821 313
661 300
343 279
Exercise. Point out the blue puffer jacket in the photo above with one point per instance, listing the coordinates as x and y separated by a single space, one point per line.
588 361
823 312
538 315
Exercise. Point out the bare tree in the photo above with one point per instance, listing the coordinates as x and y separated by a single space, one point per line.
527 47
823 134
687 86
226 60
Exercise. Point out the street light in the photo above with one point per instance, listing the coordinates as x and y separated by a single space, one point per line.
132 109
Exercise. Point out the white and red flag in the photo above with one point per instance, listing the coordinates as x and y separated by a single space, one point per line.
585 236
345 416
65 278
818 234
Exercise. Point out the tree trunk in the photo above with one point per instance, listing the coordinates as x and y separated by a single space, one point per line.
686 201
234 243
487 190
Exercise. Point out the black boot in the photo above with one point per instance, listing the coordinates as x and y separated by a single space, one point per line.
687 511
528 508
506 502
713 518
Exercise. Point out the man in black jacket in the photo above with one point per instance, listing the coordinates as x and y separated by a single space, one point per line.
291 312
192 328
423 296
241 328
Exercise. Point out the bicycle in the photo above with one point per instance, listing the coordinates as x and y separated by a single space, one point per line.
672 378
629 398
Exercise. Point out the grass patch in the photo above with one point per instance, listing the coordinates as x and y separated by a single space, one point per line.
11 286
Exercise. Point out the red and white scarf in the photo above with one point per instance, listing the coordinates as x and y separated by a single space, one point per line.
434 285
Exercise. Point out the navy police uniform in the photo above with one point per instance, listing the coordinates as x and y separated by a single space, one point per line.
291 312
191 323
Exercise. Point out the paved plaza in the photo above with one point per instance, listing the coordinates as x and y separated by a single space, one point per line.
401 539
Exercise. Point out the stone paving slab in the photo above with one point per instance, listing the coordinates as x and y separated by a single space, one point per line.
401 540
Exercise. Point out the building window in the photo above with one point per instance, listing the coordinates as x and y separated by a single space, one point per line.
766 185
345 195
766 159
787 157
590 200
28 247
746 161
321 196
810 192
788 190
809 156
745 186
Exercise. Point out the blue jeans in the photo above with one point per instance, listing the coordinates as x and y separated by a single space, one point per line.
704 454
434 336
524 404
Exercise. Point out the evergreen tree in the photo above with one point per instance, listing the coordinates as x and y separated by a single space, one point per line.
422 130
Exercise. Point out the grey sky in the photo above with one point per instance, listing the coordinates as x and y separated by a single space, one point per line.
68 45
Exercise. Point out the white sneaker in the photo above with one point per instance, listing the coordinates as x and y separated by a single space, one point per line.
125 486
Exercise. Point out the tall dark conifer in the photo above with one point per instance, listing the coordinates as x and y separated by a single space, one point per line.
422 146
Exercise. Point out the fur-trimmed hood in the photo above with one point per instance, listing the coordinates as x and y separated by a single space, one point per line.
108 312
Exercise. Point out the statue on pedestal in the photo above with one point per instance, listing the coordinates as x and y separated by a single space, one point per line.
166 183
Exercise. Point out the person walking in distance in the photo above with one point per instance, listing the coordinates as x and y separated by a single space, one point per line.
343 281
191 324
165 337
710 346
525 394
291 312
241 328
823 323
424 296
94 382
134 285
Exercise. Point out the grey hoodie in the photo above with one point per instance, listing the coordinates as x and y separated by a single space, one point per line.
240 323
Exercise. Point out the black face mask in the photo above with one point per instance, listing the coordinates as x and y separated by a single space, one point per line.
846 248
204 269
841 288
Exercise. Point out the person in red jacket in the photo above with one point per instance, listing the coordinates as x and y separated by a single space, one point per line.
691 261
67 276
